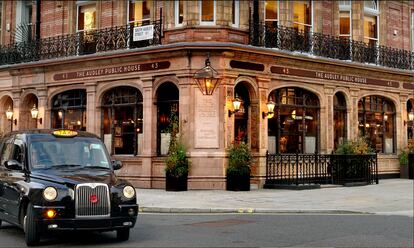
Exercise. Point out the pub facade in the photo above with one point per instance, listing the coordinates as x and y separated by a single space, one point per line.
333 70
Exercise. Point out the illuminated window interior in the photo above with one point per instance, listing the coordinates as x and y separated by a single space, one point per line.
139 11
344 24
271 13
302 15
235 8
86 17
207 11
179 4
370 30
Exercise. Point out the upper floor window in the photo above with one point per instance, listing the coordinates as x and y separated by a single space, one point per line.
139 11
24 15
302 16
345 19
271 13
179 12
235 8
207 12
86 15
412 30
371 14
1 9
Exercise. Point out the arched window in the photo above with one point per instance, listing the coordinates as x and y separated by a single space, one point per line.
295 124
167 115
376 121
410 118
122 120
241 117
340 120
69 110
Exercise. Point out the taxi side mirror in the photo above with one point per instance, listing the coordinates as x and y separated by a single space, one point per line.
117 164
13 165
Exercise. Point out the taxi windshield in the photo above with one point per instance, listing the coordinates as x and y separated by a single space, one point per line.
59 153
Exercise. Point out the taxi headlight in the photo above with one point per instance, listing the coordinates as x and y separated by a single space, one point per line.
129 192
50 193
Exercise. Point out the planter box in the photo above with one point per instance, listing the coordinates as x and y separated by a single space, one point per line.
175 183
238 182
404 171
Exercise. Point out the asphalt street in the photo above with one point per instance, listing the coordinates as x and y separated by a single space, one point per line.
241 230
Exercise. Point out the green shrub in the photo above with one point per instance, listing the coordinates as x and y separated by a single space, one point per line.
239 160
177 163
403 156
357 146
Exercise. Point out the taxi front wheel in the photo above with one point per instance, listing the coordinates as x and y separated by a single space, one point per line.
31 232
122 234
0 223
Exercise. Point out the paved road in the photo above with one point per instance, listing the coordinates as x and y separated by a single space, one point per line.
243 230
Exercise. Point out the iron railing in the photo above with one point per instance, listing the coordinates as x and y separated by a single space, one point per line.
80 43
305 169
290 39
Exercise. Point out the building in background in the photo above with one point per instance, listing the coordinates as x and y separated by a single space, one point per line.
335 70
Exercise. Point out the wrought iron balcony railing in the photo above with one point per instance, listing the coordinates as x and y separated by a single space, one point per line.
290 39
80 43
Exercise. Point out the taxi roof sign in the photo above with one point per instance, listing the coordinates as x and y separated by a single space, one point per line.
65 133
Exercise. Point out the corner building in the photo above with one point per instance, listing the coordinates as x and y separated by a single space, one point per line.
335 70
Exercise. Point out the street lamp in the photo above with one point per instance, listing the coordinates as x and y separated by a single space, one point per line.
34 111
207 78
9 115
236 106
270 107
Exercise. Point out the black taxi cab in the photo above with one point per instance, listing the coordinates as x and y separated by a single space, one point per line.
62 180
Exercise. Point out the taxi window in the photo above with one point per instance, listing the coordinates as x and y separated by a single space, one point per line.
6 151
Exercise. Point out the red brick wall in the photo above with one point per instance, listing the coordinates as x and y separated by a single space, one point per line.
327 17
397 19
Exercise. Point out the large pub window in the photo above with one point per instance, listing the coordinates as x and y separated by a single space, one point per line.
410 122
340 119
69 110
241 117
376 122
294 126
122 120
167 114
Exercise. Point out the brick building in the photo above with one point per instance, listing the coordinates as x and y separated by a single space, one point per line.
335 70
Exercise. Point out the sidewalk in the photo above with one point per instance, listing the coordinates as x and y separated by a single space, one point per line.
389 197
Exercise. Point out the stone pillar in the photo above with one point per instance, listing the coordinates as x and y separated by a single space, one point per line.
91 118
149 133
42 107
16 110
353 117
402 136
329 122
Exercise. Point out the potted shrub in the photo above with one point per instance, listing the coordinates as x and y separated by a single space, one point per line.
176 164
238 171
404 162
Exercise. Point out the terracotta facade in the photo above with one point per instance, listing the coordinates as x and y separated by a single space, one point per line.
205 125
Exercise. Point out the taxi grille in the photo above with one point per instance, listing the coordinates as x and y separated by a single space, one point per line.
92 200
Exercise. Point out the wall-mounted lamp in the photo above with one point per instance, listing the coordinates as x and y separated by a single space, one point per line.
35 112
236 106
207 78
270 107
9 115
410 117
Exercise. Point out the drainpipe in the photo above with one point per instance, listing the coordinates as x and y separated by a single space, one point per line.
37 36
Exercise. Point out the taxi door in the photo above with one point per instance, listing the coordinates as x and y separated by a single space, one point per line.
14 178
6 150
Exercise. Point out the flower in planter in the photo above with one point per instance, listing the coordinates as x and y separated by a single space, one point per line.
177 164
357 146
239 160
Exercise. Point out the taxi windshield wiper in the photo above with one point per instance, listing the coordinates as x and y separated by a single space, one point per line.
96 167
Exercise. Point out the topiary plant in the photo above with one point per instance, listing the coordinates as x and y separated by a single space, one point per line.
239 160
357 146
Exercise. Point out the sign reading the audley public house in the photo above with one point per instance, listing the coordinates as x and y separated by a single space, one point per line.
333 76
112 70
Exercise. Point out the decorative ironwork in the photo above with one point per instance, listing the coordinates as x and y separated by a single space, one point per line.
291 39
306 169
80 43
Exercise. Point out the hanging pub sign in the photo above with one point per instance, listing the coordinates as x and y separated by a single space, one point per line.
112 70
143 33
333 76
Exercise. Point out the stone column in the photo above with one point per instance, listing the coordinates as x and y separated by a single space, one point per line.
42 107
353 117
92 121
329 121
16 109
149 133
402 136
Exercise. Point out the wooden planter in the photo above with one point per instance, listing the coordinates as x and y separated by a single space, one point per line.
175 183
238 182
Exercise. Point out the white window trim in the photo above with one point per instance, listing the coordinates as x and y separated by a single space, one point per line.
350 23
214 14
127 16
345 7
378 36
236 13
79 4
177 13
278 12
307 25
371 11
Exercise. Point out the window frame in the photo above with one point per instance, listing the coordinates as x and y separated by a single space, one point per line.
147 20
82 107
311 15
80 4
345 8
278 12
236 15
372 13
412 30
177 13
207 23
